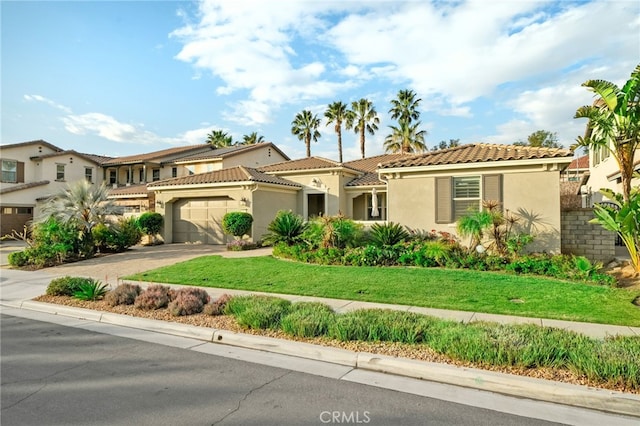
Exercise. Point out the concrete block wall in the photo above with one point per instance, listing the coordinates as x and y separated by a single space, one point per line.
582 238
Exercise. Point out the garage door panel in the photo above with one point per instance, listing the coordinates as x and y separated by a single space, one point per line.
199 220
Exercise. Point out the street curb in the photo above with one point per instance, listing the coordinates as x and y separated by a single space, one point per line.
506 384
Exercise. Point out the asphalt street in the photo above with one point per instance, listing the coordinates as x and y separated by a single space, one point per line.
57 375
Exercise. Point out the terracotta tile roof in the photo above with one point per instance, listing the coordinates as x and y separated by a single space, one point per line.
479 153
229 152
368 179
23 186
100 159
36 142
310 163
160 156
370 164
579 163
140 189
233 174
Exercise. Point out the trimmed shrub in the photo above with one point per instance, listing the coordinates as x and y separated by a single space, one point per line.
185 303
218 306
240 245
307 319
64 286
258 311
154 297
150 223
124 294
18 259
237 223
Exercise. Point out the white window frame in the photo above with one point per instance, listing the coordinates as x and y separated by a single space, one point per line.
88 174
466 199
155 172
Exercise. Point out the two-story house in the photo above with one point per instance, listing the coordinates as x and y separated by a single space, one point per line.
35 170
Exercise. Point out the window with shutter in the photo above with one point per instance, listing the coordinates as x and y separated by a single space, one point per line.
492 188
443 200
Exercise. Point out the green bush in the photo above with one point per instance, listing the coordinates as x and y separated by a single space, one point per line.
381 325
117 237
65 286
286 227
387 234
150 223
18 259
308 319
258 311
237 224
333 231
90 290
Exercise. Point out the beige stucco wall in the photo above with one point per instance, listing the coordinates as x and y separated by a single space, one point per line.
266 203
255 158
24 153
331 183
532 193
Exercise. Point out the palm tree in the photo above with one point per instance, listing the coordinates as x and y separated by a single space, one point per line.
82 204
405 107
363 117
337 113
252 139
405 138
614 123
305 126
219 139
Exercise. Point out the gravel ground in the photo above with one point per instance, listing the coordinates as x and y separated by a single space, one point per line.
416 351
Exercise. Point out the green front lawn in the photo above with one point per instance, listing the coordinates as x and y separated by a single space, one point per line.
463 290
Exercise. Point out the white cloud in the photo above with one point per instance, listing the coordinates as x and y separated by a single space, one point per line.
38 98
105 126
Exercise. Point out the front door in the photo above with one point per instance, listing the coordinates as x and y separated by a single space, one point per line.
315 205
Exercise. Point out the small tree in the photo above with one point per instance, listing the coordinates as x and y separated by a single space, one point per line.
151 224
237 224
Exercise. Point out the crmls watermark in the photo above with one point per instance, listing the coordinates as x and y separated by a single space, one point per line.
351 417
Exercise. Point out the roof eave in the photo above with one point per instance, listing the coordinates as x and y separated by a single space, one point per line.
478 164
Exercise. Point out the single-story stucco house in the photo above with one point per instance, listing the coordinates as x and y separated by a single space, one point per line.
426 191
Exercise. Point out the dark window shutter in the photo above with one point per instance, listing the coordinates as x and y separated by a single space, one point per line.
443 200
492 188
20 172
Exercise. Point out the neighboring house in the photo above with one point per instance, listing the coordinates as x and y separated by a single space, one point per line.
604 173
576 170
129 175
424 192
432 191
35 170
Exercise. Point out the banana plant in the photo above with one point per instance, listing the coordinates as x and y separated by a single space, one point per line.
624 219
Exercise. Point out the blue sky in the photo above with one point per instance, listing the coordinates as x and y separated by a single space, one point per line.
126 77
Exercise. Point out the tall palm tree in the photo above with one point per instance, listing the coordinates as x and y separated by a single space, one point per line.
337 113
219 139
83 205
305 127
252 139
614 123
405 107
363 118
405 138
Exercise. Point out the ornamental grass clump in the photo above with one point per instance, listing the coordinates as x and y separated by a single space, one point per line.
308 319
124 294
258 311
154 297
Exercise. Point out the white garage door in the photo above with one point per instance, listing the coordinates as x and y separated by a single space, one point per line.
199 220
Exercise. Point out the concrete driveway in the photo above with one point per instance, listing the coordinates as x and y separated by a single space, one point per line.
110 267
